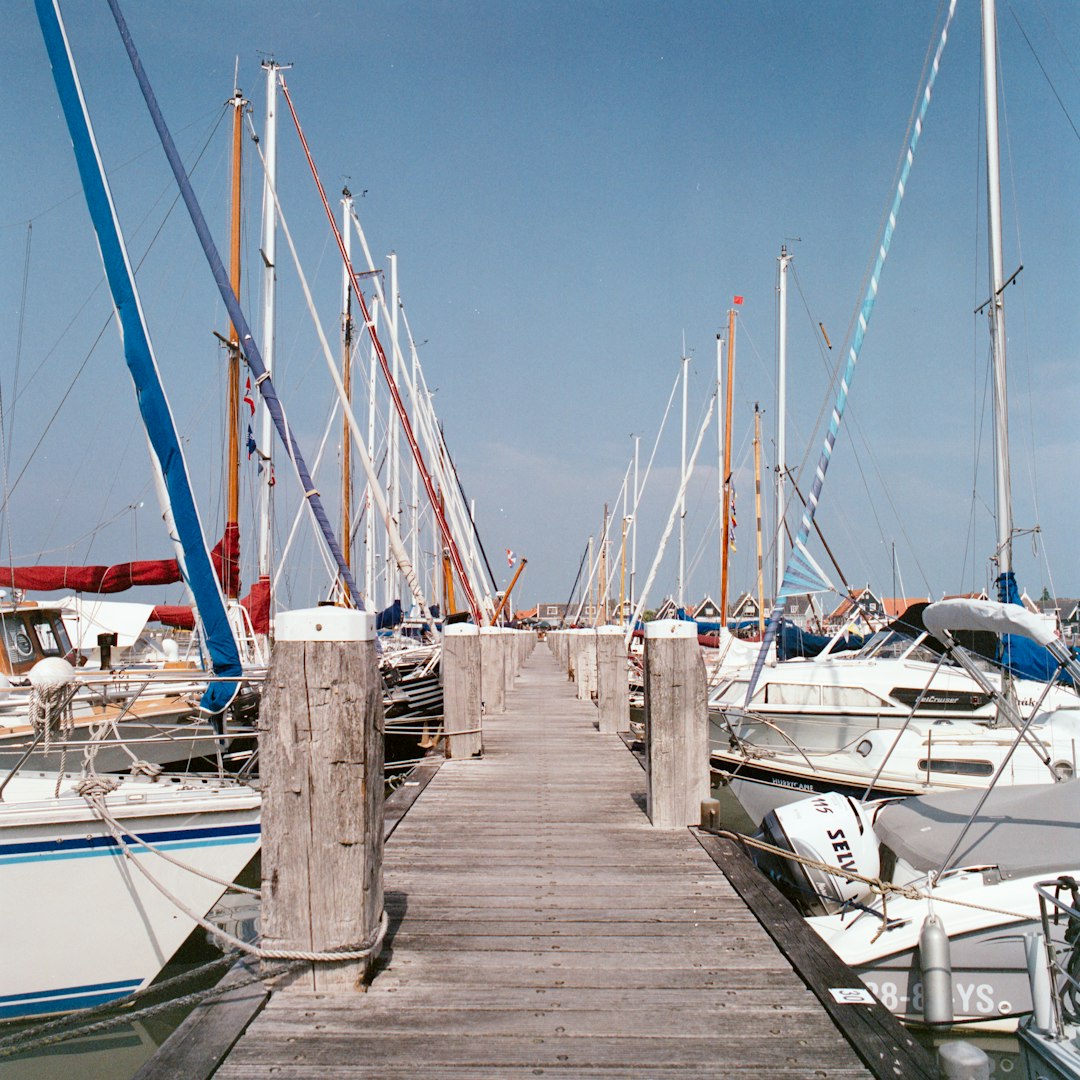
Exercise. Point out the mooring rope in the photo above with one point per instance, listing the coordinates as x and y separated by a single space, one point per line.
359 951
883 888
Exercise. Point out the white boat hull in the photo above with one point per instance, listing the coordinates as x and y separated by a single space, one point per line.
82 926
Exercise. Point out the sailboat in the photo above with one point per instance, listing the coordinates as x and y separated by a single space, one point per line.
964 863
810 726
147 856
932 899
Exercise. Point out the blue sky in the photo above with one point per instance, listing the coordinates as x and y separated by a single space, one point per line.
571 188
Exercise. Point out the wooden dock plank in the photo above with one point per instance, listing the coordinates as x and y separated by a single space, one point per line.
539 926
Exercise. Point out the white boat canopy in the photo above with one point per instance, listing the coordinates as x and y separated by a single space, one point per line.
964 614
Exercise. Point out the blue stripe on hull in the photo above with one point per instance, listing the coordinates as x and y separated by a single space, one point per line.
64 999
106 845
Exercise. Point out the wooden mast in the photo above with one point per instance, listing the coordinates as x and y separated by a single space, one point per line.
602 606
232 506
726 552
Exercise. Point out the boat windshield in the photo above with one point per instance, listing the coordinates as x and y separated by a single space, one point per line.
30 636
894 645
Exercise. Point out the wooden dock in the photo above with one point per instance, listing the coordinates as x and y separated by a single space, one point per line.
540 926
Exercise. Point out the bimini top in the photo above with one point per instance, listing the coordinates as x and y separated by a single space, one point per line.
963 614
1022 829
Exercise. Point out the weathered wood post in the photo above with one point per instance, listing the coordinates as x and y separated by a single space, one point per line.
585 665
461 690
612 687
676 724
492 670
510 659
321 760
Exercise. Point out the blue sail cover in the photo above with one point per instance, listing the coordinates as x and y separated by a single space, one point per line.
793 641
1020 656
192 554
389 617
248 346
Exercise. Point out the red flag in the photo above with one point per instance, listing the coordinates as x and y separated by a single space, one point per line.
249 401
737 300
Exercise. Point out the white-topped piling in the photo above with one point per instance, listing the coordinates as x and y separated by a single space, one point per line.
612 686
493 662
676 724
321 763
462 700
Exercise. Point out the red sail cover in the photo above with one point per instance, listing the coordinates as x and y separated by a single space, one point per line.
257 603
123 576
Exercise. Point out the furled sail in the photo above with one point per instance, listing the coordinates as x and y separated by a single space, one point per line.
800 572
179 510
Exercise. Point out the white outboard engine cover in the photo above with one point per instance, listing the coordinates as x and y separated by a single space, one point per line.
829 828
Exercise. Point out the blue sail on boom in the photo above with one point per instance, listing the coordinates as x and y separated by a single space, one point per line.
236 314
801 573
192 554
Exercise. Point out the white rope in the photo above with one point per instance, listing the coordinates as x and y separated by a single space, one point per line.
360 951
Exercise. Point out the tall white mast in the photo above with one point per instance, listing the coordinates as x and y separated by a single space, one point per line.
1003 489
392 423
269 295
369 531
680 592
720 445
414 489
633 535
781 414
346 377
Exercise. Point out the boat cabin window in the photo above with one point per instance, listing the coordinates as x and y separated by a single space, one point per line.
29 636
956 767
732 692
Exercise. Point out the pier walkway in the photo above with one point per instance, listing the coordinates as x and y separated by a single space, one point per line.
540 926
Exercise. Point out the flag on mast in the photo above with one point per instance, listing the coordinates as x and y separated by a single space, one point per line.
737 300
511 558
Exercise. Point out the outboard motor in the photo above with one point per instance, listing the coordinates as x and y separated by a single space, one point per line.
828 828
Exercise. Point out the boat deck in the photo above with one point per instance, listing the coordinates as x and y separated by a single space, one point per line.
539 926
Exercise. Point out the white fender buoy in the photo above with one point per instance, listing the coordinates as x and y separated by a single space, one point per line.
1042 1012
936 964
51 673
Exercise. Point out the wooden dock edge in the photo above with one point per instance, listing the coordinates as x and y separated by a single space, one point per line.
203 1040
879 1039
400 800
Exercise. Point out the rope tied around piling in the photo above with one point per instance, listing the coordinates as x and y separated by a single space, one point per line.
93 789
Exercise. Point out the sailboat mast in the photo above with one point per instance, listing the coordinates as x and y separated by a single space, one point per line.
232 502
603 608
720 447
393 484
1003 488
269 299
346 382
781 414
680 592
726 553
757 512
369 531
633 526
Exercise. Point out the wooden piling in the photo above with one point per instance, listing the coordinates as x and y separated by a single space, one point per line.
612 687
585 664
493 669
676 724
461 680
508 643
321 762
